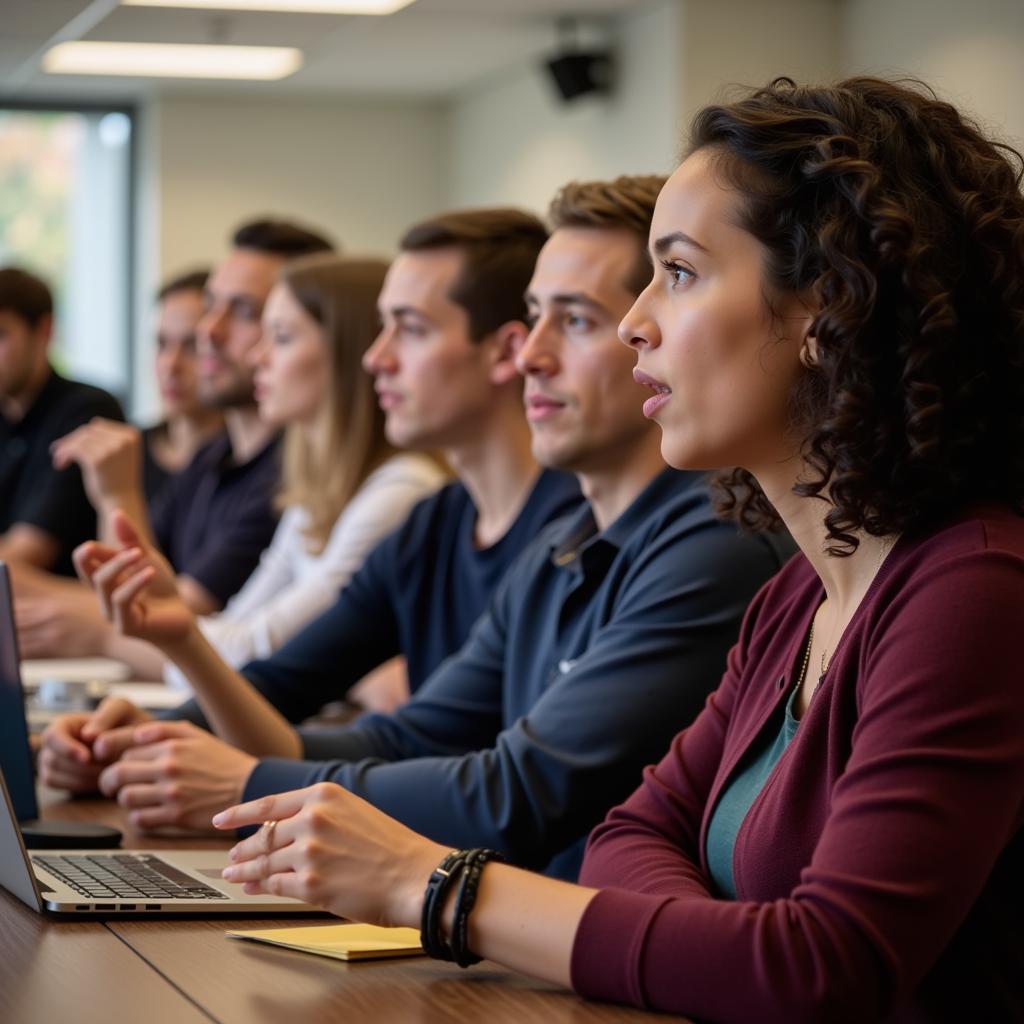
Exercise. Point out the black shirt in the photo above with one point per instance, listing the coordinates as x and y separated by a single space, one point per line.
154 477
31 490
216 516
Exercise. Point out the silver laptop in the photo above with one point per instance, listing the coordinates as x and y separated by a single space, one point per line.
97 881
112 882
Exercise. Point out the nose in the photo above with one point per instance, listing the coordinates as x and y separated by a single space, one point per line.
537 355
212 329
638 328
381 357
173 359
259 354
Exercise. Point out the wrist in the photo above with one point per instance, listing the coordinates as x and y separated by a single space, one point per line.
409 891
188 649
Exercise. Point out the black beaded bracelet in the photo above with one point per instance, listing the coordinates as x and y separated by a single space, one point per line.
465 900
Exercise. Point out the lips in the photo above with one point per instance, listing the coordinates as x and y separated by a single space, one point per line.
662 392
388 399
540 407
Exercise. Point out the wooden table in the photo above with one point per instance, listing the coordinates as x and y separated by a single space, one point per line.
180 971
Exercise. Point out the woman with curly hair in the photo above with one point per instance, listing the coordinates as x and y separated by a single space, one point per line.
838 309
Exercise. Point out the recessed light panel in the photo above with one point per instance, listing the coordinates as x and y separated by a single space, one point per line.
286 6
172 60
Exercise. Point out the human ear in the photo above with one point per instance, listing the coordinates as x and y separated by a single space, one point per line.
809 352
507 341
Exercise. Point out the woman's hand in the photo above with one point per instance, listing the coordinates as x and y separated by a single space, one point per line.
327 847
136 586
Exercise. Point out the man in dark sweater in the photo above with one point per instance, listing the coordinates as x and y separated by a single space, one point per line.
44 512
601 642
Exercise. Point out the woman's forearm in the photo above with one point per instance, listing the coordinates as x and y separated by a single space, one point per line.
525 921
236 712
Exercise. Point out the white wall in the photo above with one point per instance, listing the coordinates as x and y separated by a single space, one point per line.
971 53
511 141
360 170
748 42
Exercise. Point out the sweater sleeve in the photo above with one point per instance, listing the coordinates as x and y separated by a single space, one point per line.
444 765
930 797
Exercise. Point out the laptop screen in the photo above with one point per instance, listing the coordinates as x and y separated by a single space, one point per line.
15 755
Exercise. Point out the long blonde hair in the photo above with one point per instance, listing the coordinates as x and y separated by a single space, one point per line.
323 469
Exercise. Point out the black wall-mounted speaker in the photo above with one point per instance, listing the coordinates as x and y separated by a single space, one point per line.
580 73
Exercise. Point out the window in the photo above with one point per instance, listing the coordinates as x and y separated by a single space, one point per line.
65 214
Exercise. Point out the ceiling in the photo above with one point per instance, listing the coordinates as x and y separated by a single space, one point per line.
430 49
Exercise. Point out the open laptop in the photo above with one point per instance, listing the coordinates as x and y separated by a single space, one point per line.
94 881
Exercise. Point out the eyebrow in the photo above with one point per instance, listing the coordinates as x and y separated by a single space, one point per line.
400 311
663 244
567 299
232 298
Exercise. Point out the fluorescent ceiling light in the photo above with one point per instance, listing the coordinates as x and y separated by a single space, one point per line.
289 6
172 60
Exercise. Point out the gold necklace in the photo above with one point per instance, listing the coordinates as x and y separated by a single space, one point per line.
886 547
807 656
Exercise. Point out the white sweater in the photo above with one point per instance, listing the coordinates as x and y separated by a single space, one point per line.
290 586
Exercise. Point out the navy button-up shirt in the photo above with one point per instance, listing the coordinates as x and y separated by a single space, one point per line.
595 650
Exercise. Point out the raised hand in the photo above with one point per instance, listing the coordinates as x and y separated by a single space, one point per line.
135 586
109 455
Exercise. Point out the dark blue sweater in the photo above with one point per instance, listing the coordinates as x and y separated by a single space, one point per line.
596 649
418 593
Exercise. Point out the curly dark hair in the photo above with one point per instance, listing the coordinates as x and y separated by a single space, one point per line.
906 225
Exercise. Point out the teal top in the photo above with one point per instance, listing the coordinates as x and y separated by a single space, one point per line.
739 795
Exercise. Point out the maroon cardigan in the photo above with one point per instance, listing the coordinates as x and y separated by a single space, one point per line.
879 872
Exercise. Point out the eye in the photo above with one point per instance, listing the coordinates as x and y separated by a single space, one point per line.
577 322
678 273
531 320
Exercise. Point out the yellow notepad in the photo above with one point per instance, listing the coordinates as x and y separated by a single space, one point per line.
341 941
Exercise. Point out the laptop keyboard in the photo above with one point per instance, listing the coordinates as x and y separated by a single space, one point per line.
126 876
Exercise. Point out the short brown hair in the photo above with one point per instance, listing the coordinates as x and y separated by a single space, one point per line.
626 203
26 296
280 238
499 246
193 281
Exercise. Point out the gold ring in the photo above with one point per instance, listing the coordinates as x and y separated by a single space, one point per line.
269 826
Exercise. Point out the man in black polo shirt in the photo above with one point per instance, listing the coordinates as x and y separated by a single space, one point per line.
44 512
216 518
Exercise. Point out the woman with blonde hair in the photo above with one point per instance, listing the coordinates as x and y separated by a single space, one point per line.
343 486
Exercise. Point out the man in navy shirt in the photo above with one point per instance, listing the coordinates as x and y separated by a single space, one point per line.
453 317
598 646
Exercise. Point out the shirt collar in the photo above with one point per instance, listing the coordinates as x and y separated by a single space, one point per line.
581 531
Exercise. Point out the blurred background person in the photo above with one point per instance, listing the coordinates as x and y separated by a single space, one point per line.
187 423
44 511
215 518
56 618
